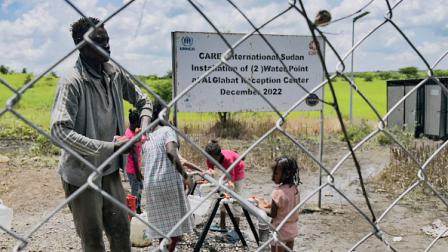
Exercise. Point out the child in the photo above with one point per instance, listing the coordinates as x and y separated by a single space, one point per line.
135 158
226 158
285 174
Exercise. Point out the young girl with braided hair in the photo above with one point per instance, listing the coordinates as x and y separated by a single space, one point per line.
285 196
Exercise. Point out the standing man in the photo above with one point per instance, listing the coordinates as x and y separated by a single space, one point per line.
87 114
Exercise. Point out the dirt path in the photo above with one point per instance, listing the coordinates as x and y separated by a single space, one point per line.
31 186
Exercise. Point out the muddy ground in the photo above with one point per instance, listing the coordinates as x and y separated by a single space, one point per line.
31 186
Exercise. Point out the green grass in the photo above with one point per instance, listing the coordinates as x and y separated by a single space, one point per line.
375 92
36 103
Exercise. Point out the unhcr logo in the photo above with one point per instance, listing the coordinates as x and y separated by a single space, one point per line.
187 43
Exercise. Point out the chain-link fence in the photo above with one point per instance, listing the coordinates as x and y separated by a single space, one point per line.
369 216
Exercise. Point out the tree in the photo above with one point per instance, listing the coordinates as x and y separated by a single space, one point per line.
168 75
163 88
4 69
385 75
409 72
224 117
395 76
54 75
440 73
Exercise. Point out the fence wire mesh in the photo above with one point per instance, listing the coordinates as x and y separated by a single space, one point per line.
297 7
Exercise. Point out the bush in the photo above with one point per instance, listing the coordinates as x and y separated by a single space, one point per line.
356 132
359 75
43 146
28 78
404 137
18 132
368 77
440 73
385 75
229 129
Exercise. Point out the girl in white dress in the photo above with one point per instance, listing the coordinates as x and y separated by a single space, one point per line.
165 179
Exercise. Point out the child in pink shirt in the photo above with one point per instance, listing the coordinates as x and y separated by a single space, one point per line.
285 196
133 168
226 158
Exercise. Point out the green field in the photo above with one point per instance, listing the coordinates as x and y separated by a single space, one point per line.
36 103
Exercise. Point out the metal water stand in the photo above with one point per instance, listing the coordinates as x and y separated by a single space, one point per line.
231 216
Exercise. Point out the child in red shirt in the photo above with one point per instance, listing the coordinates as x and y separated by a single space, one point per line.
226 158
135 159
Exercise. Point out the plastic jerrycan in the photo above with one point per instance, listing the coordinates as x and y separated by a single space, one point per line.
139 236
5 217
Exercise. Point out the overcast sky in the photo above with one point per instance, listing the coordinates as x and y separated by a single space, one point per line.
35 33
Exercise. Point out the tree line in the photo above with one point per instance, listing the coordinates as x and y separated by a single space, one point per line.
402 73
162 85
6 70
